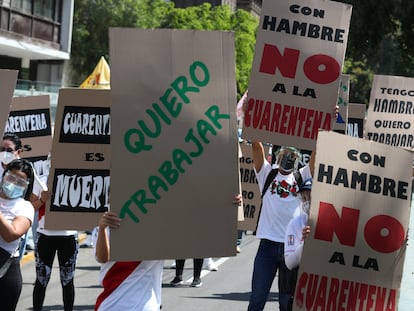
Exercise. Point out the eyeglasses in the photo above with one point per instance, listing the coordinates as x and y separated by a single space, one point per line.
11 150
14 179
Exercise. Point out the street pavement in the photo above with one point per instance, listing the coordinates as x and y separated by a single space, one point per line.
227 289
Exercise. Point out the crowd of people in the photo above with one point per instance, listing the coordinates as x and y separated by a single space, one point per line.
23 195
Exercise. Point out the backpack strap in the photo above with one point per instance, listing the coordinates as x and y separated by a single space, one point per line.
272 174
299 179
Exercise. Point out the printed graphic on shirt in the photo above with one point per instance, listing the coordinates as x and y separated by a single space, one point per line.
283 188
291 239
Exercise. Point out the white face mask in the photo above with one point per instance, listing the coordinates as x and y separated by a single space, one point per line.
7 157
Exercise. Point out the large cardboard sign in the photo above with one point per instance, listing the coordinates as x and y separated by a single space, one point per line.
8 80
79 173
174 170
250 190
390 117
29 118
296 71
354 256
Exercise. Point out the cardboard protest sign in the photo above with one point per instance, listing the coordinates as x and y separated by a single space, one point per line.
296 71
80 162
390 118
250 190
8 80
343 102
354 256
29 118
356 120
174 171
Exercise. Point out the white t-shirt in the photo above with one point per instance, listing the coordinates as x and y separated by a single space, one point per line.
294 240
132 285
281 202
10 210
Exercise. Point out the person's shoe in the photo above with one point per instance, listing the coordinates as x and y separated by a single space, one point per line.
196 282
211 265
177 281
238 249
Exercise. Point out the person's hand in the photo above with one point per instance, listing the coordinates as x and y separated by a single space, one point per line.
110 220
44 196
238 199
305 232
336 112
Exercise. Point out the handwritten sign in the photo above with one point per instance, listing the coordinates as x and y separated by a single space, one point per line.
174 170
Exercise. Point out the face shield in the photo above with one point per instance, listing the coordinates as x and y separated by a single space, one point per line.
287 159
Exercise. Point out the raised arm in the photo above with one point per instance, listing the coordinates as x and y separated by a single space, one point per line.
258 155
112 221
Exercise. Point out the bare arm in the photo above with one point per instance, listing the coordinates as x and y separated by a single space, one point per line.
14 230
258 155
112 221
312 162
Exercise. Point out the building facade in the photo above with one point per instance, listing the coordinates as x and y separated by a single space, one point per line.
35 39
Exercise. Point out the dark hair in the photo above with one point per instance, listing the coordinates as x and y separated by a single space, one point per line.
14 138
26 167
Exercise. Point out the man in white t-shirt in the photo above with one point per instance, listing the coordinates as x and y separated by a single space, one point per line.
280 203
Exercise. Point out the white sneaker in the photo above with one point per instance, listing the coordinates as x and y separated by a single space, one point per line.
210 264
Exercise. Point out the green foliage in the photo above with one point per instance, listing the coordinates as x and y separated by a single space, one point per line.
92 20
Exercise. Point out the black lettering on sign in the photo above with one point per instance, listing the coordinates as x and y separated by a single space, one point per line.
85 125
29 123
80 190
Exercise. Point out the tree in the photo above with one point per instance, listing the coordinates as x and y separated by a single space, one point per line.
92 20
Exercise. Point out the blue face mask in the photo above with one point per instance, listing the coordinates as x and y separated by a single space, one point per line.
11 190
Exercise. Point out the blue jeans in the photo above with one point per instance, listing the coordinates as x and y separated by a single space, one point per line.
269 258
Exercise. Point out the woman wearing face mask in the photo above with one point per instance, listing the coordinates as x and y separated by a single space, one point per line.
16 216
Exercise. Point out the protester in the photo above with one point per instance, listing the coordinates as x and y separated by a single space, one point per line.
197 262
297 229
129 285
280 202
179 268
12 149
296 232
65 244
16 216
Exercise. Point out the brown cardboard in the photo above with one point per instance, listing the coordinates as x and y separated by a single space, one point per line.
29 118
390 118
356 120
8 80
250 190
80 161
189 212
355 252
295 75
